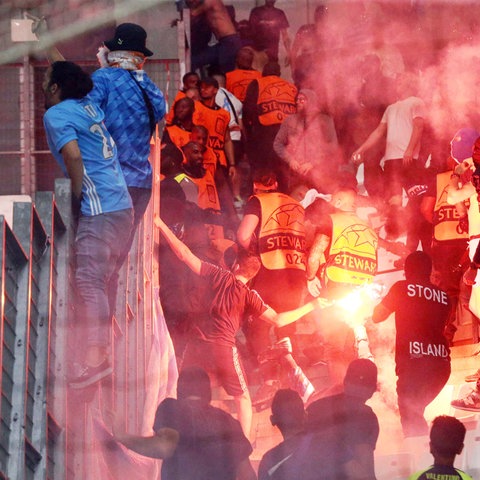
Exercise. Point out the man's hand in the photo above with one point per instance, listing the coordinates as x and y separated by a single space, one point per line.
462 167
322 302
314 287
232 171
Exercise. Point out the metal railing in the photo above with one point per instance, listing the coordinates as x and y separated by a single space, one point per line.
49 431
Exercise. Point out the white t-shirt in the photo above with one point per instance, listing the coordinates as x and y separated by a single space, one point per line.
222 101
399 119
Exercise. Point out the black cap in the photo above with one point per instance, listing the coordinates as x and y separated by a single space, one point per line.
130 37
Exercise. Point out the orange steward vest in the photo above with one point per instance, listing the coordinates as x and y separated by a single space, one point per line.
445 216
352 257
216 122
238 80
276 100
281 238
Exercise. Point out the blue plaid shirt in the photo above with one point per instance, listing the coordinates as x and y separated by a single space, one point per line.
127 120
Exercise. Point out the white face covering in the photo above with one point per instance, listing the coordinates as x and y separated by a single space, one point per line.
120 59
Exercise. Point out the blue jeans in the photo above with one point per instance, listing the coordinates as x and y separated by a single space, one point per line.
140 199
99 243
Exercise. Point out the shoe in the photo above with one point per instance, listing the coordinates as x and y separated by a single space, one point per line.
474 377
91 375
275 351
470 403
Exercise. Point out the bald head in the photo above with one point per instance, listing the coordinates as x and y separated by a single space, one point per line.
344 200
245 58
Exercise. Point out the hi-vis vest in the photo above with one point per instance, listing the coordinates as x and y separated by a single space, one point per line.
276 100
238 80
445 217
281 238
178 136
216 121
207 198
352 257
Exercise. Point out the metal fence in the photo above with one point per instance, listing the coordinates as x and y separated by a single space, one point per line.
47 430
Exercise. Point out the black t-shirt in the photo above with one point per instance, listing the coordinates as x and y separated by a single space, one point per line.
274 463
317 457
267 23
355 422
228 301
421 311
211 443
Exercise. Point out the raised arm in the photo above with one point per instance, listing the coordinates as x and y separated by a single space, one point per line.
178 247
285 318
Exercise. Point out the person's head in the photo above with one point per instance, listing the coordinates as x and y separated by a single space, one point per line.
462 143
183 109
244 58
361 379
194 384
447 436
306 101
288 412
65 80
193 152
190 80
418 266
208 88
171 159
264 180
129 37
270 3
407 84
344 199
271 68
247 264
320 13
193 93
199 134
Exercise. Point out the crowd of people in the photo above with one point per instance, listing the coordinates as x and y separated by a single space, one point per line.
260 227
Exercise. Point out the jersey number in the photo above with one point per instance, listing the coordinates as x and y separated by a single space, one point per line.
107 148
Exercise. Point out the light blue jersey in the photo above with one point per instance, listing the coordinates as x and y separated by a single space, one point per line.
126 117
104 189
